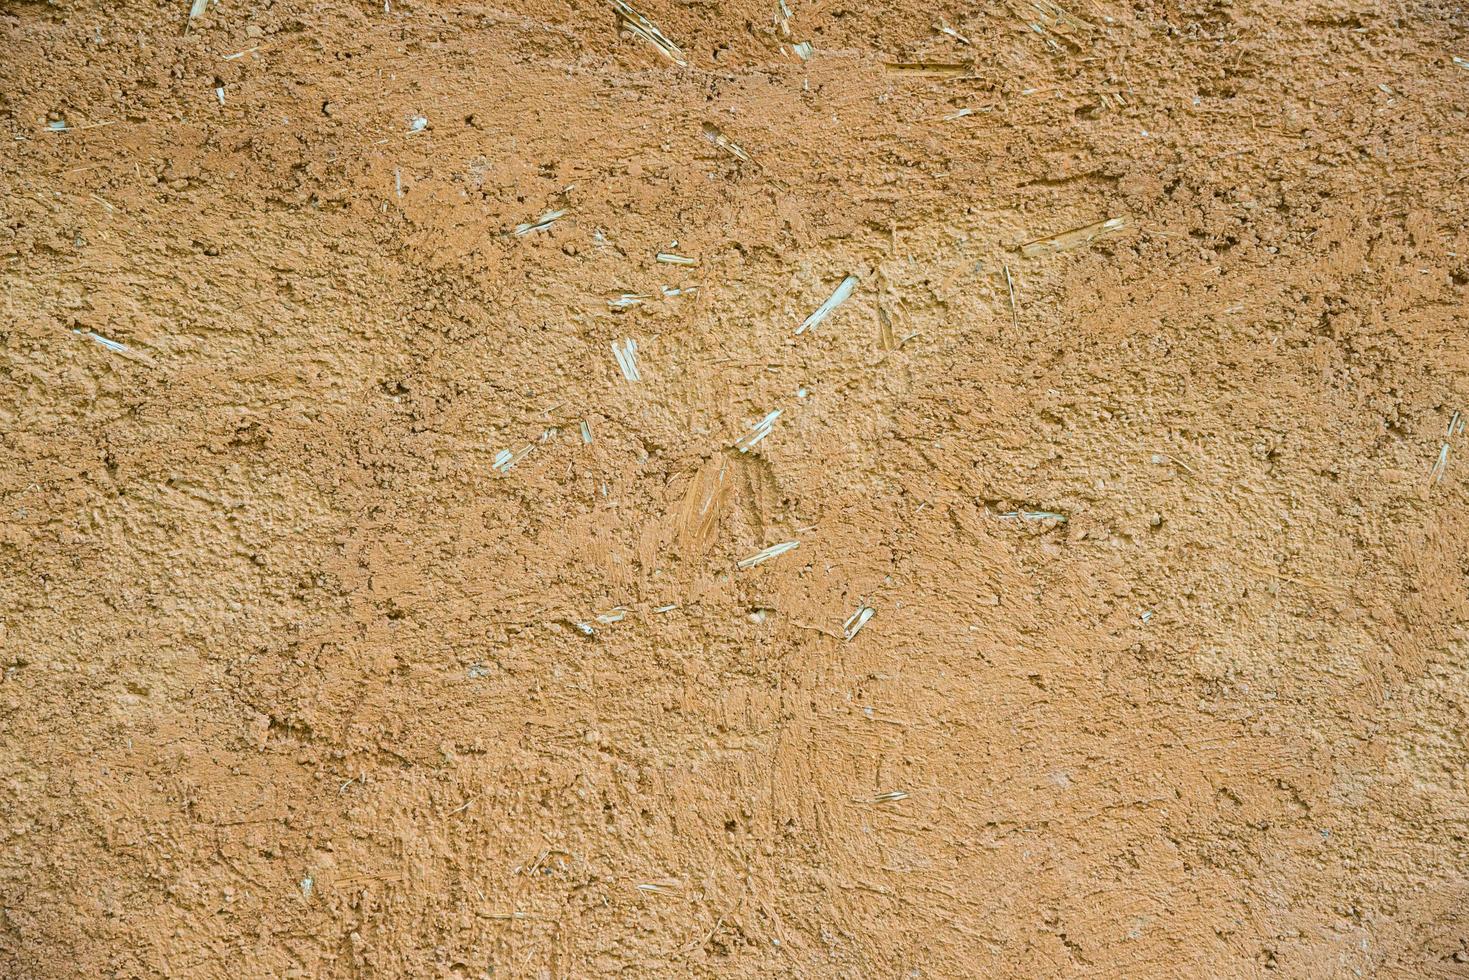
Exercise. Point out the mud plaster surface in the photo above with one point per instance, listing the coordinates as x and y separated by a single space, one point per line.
290 677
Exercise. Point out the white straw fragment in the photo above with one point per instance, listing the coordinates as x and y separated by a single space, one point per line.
660 887
1440 465
757 432
672 259
627 301
716 136
1035 515
1052 244
635 23
540 224
803 50
114 346
668 608
59 126
627 359
856 621
944 28
614 615
891 796
219 94
1461 62
843 292
111 345
197 9
1010 285
586 432
774 551
505 460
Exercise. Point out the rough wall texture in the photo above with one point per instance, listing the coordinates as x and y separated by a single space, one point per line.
1167 672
